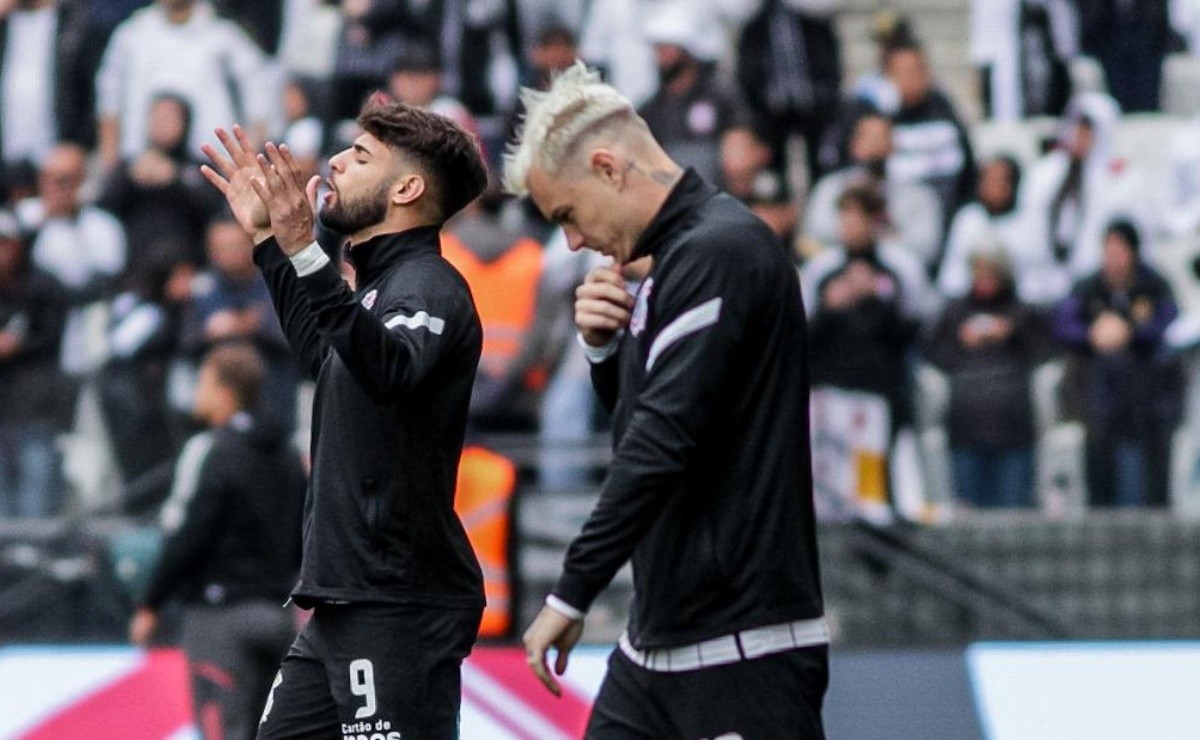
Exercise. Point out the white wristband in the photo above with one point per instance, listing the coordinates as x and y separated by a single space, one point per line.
563 608
309 260
596 355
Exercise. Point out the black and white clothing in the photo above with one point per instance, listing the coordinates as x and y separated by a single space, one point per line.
231 553
709 491
385 556
932 146
46 89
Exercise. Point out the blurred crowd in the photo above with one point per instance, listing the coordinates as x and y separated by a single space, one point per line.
940 286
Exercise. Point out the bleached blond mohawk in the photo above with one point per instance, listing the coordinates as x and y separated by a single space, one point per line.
556 119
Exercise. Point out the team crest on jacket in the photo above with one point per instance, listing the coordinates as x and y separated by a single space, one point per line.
368 301
641 307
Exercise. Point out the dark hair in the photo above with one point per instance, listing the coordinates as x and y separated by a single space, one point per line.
447 155
240 368
1127 232
555 34
866 197
900 44
179 152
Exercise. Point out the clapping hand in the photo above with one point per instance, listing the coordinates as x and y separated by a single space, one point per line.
234 180
291 202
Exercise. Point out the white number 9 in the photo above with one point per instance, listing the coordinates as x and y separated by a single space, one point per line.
362 683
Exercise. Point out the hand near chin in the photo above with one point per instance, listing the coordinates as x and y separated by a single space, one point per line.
290 201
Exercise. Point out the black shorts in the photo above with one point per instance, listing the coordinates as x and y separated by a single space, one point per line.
372 672
775 697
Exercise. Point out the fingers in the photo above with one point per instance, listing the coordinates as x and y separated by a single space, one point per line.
289 161
608 275
536 658
270 176
560 661
224 165
211 175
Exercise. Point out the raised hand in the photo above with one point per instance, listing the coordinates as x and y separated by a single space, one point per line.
291 202
234 180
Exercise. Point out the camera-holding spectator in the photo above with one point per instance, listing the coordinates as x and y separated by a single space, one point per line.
996 219
988 343
32 407
181 47
161 191
866 299
914 211
1116 319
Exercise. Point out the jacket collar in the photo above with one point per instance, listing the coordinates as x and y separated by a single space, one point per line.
375 255
681 203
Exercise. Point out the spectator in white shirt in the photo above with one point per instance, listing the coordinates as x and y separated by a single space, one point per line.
181 47
82 246
45 87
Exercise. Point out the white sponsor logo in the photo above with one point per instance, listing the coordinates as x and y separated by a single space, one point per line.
641 308
368 301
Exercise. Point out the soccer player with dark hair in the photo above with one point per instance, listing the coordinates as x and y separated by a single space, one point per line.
394 587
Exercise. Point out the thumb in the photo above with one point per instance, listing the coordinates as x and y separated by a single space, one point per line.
311 191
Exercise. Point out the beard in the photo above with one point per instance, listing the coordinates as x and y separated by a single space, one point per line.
348 216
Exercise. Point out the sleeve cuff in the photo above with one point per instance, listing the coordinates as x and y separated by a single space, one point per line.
597 355
563 608
309 260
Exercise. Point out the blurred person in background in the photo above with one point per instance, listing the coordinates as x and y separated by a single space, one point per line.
995 217
1074 191
46 87
160 191
504 270
417 79
688 113
82 246
1130 39
866 300
914 212
930 143
1115 320
789 70
142 338
180 47
749 174
32 408
304 131
613 38
554 48
1179 215
232 548
988 342
1023 49
230 302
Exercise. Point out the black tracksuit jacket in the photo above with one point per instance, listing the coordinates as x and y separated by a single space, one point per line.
235 511
394 363
710 487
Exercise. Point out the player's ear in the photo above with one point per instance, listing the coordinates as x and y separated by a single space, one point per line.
408 189
606 165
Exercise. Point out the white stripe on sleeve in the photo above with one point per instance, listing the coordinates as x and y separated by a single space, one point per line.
187 478
419 319
689 322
